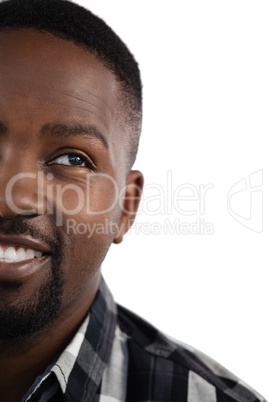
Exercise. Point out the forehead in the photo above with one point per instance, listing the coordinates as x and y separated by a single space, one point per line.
43 68
47 80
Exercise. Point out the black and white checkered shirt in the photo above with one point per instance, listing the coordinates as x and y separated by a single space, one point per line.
116 356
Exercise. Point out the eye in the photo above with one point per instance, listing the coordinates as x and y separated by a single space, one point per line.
71 160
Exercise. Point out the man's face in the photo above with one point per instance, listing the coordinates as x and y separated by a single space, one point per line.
61 164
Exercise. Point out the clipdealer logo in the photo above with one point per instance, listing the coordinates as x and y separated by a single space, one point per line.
170 208
245 201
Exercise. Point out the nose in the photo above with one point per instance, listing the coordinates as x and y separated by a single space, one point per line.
21 194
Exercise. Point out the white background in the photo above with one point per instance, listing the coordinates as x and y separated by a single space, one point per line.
204 68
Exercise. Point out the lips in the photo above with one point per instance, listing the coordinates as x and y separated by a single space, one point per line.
20 255
22 241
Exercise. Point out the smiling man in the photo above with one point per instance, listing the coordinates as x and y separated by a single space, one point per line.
70 120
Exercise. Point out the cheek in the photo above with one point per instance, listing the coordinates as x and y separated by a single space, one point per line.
96 195
87 216
70 199
87 246
87 240
102 194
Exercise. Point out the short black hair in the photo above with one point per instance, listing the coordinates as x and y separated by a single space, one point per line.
73 22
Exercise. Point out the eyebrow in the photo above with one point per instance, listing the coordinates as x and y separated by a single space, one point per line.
72 130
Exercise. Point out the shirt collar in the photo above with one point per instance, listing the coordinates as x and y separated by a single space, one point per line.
80 367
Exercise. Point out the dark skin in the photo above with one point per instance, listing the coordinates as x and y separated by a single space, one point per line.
48 82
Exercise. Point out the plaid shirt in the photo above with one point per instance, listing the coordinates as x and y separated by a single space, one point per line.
116 356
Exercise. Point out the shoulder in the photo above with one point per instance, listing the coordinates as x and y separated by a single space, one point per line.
167 368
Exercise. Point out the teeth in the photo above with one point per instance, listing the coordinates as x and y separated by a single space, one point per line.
29 254
38 254
21 254
10 253
13 254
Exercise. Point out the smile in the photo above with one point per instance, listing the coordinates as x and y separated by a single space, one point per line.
10 254
22 256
